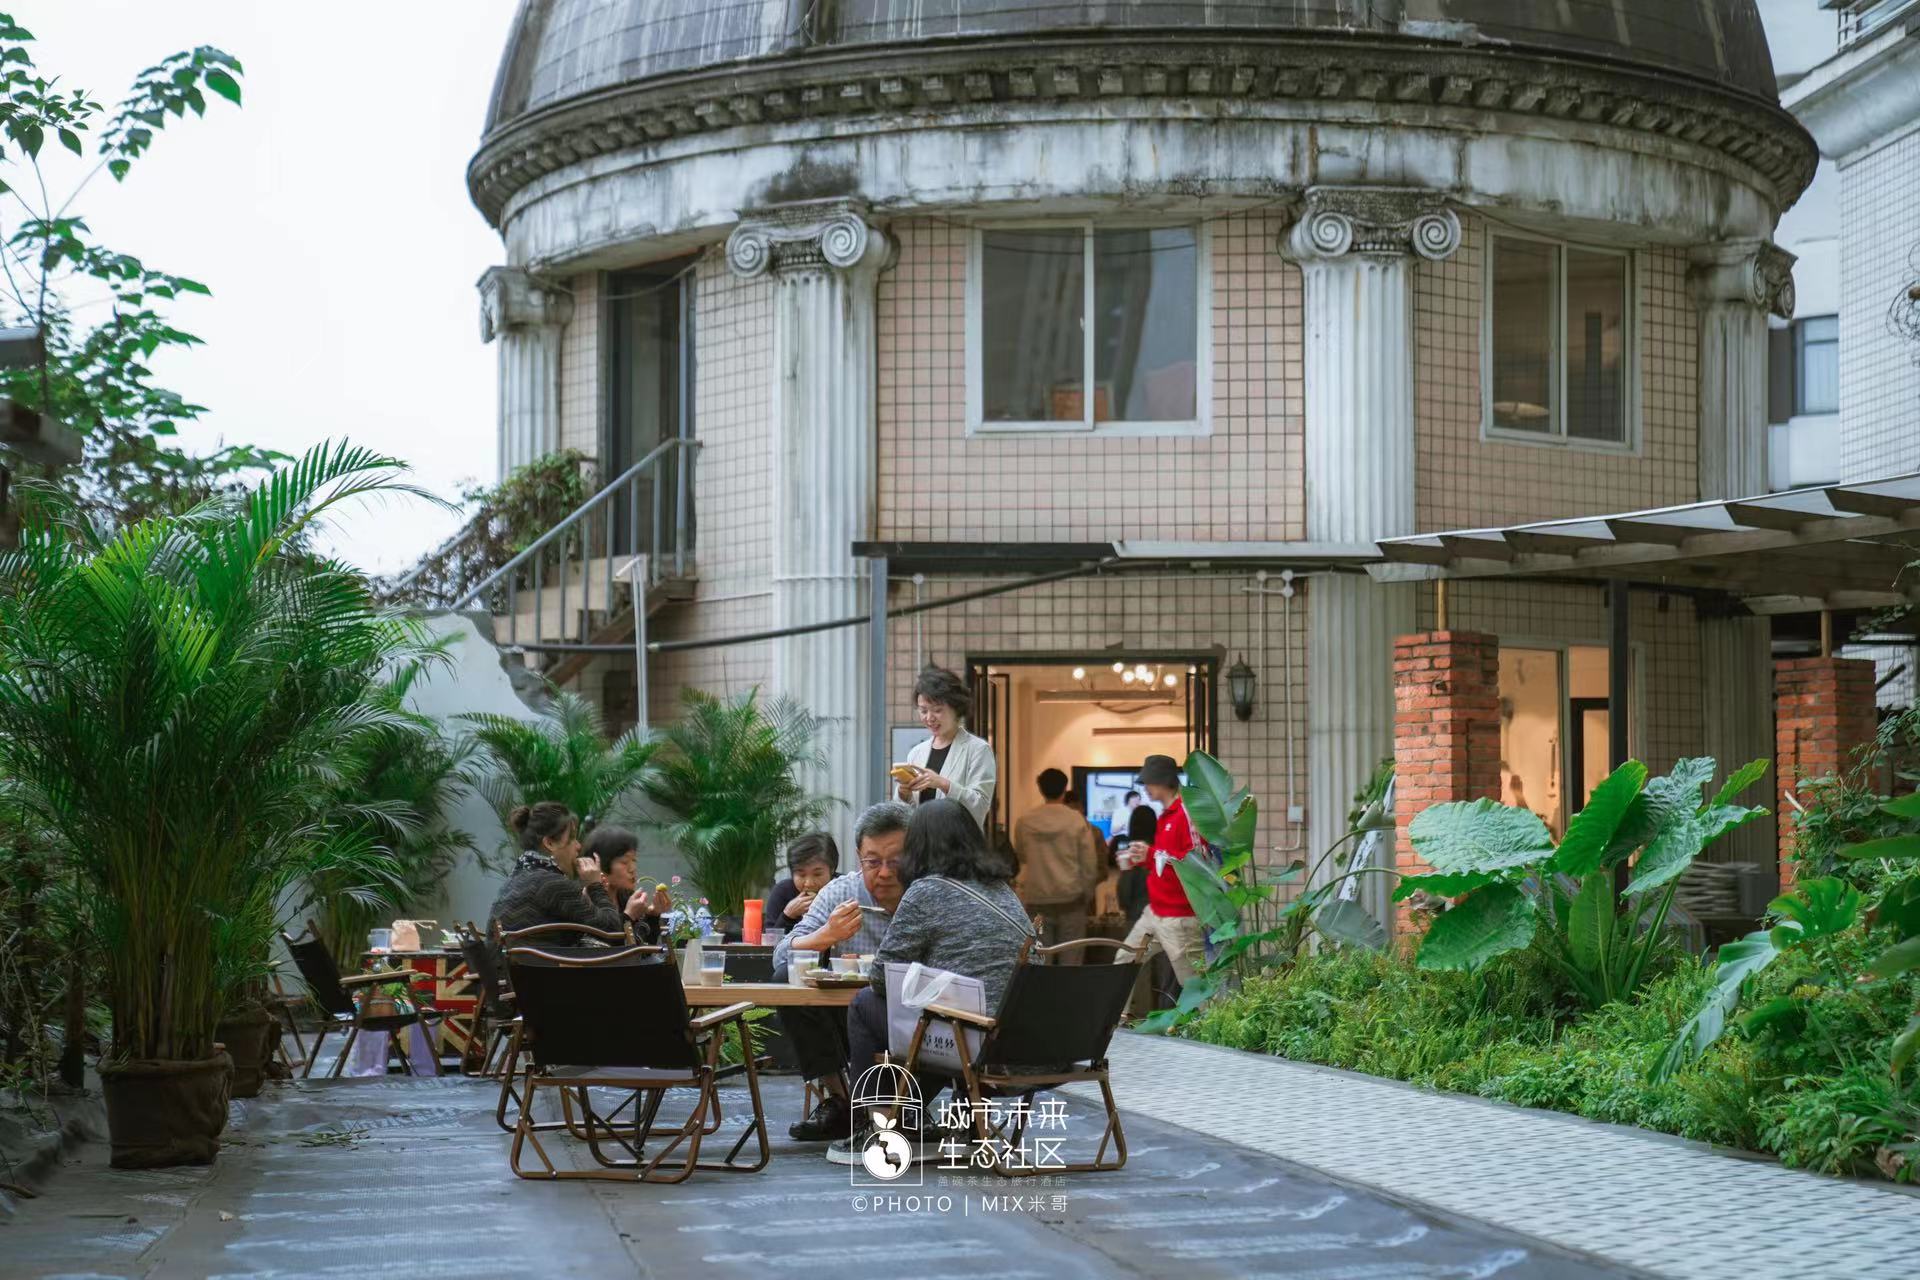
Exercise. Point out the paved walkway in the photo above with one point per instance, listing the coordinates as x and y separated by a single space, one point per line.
351 1179
1672 1207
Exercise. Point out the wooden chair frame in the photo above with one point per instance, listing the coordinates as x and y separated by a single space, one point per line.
646 1088
981 1081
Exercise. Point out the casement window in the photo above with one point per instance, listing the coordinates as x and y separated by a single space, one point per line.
1085 326
1817 365
1558 343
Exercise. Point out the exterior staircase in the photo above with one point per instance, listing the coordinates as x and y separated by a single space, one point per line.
569 597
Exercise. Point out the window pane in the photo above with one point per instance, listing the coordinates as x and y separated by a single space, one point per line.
1820 365
1033 355
1145 295
1522 335
1596 346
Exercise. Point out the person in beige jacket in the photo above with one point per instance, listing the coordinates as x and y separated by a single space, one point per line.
951 763
1061 863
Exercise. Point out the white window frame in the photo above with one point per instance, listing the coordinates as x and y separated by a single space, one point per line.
1200 425
1557 437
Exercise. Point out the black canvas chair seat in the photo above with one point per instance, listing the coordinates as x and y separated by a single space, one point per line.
1062 1015
572 1046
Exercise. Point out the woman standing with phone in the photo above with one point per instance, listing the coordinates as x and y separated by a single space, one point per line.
952 763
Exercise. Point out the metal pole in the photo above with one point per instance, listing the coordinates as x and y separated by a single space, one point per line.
636 579
877 761
1619 660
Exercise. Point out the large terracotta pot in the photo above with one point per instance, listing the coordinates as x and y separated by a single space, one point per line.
162 1113
247 1036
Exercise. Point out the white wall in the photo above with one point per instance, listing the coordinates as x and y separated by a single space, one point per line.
477 682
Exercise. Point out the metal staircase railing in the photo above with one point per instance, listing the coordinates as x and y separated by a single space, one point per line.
555 594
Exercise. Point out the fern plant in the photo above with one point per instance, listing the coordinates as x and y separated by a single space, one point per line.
729 774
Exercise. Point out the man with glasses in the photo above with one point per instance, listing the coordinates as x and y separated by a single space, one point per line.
839 920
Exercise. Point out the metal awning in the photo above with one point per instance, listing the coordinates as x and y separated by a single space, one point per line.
1834 547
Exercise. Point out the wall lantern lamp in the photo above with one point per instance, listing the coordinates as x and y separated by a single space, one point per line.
1240 686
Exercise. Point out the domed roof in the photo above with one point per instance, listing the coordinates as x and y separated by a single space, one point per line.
561 50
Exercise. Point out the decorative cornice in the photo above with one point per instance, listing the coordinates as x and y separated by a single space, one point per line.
1752 272
1338 222
1456 86
512 299
812 235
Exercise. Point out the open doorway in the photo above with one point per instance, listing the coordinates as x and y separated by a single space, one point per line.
1095 718
1554 744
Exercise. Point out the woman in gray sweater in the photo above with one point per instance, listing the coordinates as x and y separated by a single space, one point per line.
958 913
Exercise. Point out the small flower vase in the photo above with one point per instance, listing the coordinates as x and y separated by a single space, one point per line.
690 963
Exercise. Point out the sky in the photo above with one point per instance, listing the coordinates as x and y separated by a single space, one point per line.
328 214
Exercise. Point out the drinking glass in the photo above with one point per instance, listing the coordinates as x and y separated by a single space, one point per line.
713 966
798 962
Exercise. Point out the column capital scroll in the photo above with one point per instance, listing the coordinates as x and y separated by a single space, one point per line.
1753 272
810 236
1379 222
511 298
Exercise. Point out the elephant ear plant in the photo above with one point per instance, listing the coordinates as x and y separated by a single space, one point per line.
1516 886
1225 898
174 700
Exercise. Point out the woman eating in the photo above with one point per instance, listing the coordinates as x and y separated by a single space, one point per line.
552 883
812 861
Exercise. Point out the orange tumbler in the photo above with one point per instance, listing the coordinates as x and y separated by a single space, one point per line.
750 921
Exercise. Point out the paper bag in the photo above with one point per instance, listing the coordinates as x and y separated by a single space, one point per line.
911 988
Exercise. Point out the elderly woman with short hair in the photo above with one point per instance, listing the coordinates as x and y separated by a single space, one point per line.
951 764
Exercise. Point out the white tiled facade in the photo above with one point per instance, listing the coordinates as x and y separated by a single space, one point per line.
1879 258
1244 481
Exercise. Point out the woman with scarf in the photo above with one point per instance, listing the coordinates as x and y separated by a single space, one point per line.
540 890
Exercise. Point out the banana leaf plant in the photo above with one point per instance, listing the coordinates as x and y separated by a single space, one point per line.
1225 898
1514 884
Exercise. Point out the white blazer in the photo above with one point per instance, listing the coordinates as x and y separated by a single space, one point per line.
969 767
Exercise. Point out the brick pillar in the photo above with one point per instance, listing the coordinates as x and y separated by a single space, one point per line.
1446 728
1823 712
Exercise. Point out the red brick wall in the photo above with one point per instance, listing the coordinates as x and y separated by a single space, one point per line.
1823 712
1446 727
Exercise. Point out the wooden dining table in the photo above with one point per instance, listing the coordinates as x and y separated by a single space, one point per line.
771 995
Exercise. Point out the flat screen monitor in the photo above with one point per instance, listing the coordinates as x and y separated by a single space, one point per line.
1103 792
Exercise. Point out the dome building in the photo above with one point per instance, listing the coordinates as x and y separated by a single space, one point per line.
953 295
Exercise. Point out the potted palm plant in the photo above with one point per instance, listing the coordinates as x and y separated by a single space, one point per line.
728 777
173 699
565 756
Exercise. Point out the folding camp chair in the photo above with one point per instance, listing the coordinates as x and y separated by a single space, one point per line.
1061 1015
493 1011
338 1009
655 1045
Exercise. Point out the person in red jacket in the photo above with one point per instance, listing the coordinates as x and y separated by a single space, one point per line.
1169 918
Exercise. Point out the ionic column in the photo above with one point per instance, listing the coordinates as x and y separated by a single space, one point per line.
825 261
1356 250
528 318
1735 286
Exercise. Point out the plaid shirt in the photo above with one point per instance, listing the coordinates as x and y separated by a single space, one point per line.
847 888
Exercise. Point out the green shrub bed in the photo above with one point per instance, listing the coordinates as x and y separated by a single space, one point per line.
1811 1085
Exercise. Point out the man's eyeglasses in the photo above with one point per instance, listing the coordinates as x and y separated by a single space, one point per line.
874 864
